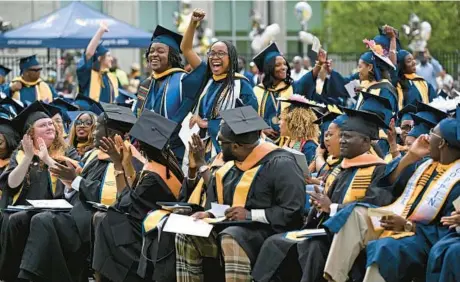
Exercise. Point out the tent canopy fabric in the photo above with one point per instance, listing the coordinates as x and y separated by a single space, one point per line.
72 27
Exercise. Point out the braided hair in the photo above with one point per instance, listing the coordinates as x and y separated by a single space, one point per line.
269 74
174 57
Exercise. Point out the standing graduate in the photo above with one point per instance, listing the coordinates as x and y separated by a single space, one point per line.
411 87
261 183
4 71
168 91
67 235
27 177
218 84
407 234
94 77
354 180
29 87
277 83
118 236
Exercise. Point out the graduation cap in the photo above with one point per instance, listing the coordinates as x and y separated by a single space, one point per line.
10 107
123 97
85 103
153 129
300 101
420 127
401 56
324 121
450 129
26 63
4 71
52 110
377 105
428 114
100 51
117 117
340 120
168 37
29 116
376 60
240 122
383 40
404 113
64 106
363 122
265 55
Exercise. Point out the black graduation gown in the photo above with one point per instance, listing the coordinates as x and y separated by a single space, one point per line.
15 226
287 256
118 238
66 234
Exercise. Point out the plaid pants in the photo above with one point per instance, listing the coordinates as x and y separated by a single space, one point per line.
190 250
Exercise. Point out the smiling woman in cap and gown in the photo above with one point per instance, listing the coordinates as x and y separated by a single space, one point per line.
118 235
94 78
29 87
277 83
169 91
217 83
27 177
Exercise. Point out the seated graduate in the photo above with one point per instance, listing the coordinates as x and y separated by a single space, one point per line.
168 91
28 177
297 127
64 107
277 83
94 78
217 83
412 225
10 108
4 71
118 234
261 182
29 87
444 255
81 135
405 124
9 141
354 180
66 236
410 87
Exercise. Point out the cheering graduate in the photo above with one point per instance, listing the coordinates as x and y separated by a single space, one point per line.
168 91
29 87
297 128
81 135
28 177
352 181
67 235
118 236
277 83
261 183
4 71
218 84
94 77
411 87
411 226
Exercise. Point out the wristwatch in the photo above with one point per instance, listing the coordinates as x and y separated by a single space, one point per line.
408 226
203 169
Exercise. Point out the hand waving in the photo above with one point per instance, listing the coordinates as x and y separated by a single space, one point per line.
196 152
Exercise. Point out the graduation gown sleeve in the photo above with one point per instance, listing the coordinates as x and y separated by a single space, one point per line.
309 150
305 86
247 95
84 68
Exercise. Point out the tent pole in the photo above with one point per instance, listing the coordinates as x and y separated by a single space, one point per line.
58 69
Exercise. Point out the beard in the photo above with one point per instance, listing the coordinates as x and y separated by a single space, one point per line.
227 155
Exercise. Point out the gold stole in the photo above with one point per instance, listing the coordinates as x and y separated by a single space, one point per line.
19 158
263 95
365 85
250 170
96 83
42 89
173 183
420 84
108 190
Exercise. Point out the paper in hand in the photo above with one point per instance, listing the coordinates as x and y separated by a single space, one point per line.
50 204
186 132
181 224
316 45
218 210
456 204
379 212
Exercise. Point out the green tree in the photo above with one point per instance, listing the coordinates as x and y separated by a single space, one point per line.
347 23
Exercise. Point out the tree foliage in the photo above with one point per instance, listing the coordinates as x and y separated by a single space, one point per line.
347 23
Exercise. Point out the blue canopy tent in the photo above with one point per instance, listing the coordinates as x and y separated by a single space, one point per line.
72 27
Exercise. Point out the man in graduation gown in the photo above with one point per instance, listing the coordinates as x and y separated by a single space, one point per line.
397 250
35 183
94 78
169 91
29 87
354 180
67 235
118 233
264 187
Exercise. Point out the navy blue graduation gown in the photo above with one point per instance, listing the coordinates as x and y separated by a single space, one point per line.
444 259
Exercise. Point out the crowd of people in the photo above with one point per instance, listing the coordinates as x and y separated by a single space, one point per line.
319 185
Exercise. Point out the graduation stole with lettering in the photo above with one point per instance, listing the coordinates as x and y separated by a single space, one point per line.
108 187
207 103
97 83
250 168
52 179
42 89
419 83
168 89
361 178
263 95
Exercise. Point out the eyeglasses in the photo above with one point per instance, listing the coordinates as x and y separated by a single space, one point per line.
219 54
83 122
406 127
434 134
35 70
